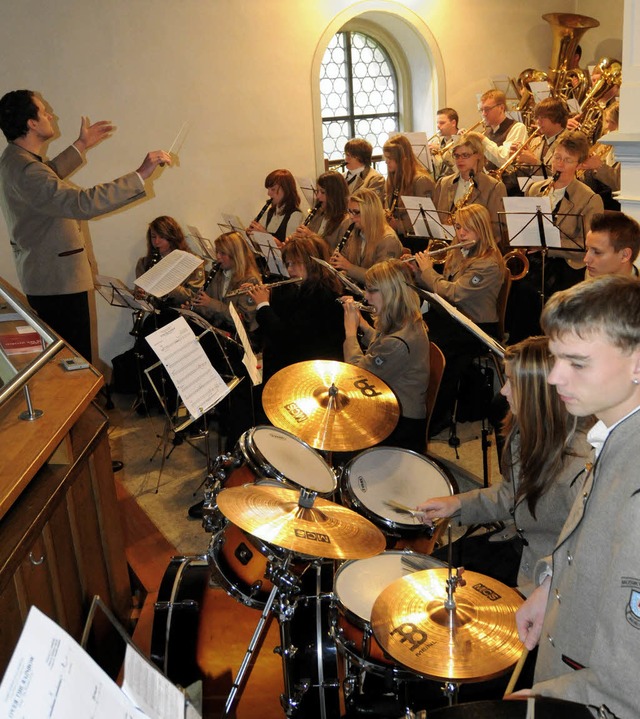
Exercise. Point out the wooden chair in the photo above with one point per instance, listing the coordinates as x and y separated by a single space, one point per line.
436 370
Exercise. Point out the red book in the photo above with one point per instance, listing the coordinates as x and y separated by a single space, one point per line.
21 343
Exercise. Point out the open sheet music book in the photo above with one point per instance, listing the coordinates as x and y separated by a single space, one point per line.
50 676
170 272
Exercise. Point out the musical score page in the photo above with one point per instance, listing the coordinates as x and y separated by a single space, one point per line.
170 272
250 360
199 385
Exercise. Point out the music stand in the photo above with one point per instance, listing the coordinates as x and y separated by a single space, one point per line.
199 386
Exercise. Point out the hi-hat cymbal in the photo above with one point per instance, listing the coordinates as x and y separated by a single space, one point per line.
324 530
332 406
475 642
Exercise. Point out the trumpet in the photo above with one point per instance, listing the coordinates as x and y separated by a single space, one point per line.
368 309
246 290
497 174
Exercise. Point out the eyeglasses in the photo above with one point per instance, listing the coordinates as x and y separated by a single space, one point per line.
370 290
463 155
354 213
567 160
487 108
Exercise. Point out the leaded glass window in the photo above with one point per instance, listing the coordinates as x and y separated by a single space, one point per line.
359 93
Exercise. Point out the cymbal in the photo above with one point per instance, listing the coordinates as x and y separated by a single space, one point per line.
331 406
475 642
324 530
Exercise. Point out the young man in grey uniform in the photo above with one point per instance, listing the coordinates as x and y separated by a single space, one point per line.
585 613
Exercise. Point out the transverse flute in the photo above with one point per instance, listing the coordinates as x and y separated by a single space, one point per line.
246 290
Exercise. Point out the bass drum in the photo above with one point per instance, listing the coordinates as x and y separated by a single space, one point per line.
309 655
176 618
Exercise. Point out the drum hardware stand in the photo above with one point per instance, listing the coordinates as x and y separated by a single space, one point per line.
284 587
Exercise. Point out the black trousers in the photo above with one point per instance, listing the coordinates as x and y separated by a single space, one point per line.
68 315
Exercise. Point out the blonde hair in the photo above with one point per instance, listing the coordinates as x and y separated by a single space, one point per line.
477 219
242 260
400 304
373 221
472 140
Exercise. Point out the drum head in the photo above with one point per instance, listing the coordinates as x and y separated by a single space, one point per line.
291 459
381 474
543 708
358 583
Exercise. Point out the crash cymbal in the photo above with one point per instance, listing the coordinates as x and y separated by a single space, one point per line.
332 406
475 642
324 530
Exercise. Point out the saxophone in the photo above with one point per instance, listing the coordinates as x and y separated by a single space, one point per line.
467 195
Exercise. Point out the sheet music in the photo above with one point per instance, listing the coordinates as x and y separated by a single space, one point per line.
522 223
197 382
268 246
250 360
434 227
308 189
116 293
50 676
524 182
420 147
170 272
149 689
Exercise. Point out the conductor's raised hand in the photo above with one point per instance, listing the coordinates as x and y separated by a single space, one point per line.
153 160
91 135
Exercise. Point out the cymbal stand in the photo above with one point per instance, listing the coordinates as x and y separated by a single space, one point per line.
284 587
449 688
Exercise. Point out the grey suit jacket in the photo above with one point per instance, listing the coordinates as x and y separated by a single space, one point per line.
369 179
42 212
593 611
577 207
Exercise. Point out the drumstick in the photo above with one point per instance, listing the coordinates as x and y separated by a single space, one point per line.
402 507
516 672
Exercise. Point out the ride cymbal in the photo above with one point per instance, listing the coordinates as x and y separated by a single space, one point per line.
324 530
331 406
476 641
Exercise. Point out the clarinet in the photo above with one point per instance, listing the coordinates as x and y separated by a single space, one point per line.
393 204
265 207
312 213
345 237
208 279
138 316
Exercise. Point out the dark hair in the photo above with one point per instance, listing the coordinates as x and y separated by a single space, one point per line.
450 113
609 305
360 149
540 417
16 109
303 250
552 109
337 192
623 230
167 228
285 180
576 143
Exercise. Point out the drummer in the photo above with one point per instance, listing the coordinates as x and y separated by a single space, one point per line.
542 467
397 347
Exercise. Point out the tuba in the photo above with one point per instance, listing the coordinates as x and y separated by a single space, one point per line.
592 108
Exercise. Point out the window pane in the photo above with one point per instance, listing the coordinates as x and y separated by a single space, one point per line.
359 95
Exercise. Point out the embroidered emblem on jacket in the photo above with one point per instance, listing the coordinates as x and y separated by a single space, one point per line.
476 280
632 610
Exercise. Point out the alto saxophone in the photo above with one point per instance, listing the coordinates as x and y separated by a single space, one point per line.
467 195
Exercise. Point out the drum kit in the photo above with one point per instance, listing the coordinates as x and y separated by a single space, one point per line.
350 582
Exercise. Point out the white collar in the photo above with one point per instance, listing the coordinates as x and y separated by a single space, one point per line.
598 434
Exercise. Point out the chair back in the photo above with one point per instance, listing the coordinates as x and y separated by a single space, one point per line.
436 370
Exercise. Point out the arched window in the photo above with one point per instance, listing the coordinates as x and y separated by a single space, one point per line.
359 93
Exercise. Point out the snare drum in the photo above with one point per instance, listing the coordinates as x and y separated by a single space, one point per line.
380 474
357 585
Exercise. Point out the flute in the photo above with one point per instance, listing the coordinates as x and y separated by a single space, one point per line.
369 309
246 290
458 246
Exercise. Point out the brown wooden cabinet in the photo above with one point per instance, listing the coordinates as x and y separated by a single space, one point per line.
61 538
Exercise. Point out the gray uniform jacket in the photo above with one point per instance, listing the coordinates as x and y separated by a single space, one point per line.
497 503
575 210
370 179
593 612
386 248
473 290
331 238
218 312
42 213
400 359
487 192
422 186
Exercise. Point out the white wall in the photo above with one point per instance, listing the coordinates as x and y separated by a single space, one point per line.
243 73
